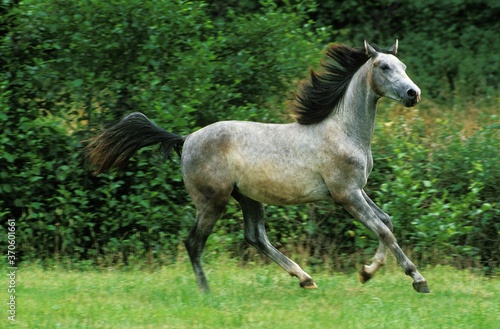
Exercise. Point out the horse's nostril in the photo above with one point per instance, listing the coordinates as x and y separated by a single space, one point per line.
412 93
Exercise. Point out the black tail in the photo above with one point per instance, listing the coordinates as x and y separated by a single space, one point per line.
116 145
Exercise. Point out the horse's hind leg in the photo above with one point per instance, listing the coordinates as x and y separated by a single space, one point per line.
255 234
208 212
368 271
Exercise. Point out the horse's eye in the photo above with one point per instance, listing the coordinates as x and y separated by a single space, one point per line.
384 67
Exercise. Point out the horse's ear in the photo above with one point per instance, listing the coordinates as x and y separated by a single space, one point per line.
394 49
370 51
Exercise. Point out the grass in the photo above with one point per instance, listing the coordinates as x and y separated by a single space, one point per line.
251 297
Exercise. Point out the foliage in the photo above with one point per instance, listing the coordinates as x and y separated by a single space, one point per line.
73 67
441 189
70 68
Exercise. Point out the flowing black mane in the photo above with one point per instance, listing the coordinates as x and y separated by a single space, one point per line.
319 95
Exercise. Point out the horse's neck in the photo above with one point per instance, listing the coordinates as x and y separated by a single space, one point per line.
356 115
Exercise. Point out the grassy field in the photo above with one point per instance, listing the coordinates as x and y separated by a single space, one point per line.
251 297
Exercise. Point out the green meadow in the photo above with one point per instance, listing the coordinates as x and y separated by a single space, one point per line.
253 296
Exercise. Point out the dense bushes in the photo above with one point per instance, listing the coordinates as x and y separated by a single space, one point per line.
70 68
441 190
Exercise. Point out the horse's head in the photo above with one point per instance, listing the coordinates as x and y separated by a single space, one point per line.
389 78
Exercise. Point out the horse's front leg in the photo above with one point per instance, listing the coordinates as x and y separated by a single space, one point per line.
368 271
355 202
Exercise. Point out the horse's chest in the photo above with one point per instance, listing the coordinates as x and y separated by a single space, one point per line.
347 167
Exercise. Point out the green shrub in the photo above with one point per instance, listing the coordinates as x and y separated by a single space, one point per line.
441 191
70 68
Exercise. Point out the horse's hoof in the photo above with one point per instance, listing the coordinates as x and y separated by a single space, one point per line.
363 275
421 286
308 284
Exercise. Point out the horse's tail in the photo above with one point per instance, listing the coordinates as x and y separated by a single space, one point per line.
117 144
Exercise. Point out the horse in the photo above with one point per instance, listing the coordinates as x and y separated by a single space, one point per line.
324 155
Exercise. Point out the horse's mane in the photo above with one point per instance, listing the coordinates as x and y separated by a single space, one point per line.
321 94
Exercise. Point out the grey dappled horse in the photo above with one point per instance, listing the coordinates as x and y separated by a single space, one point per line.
325 155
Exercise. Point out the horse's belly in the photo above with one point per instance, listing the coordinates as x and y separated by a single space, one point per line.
283 190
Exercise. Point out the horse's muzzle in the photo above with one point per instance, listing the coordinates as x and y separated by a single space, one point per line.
411 98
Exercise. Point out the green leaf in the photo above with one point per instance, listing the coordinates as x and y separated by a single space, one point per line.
78 82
